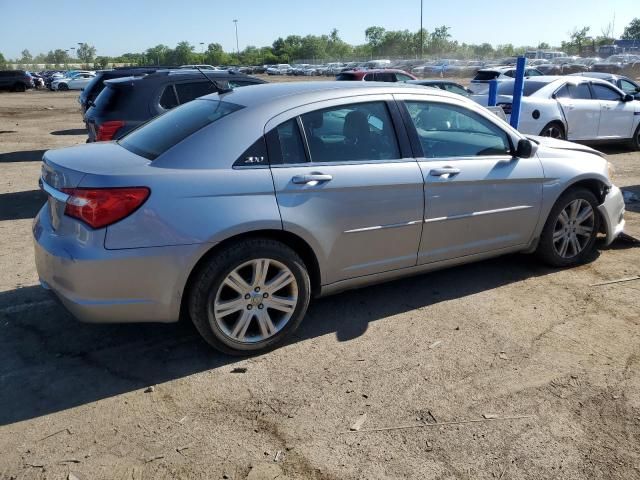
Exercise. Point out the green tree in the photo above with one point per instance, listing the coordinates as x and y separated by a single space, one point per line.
86 53
544 46
439 41
3 62
632 31
156 55
374 36
101 62
215 55
182 55
578 39
26 57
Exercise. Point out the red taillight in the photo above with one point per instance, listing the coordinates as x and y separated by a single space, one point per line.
107 130
99 207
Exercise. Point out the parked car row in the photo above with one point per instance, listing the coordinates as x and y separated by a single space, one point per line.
586 107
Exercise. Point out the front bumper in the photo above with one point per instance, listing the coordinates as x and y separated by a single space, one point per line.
112 286
612 214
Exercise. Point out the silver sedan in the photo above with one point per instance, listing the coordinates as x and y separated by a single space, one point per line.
237 208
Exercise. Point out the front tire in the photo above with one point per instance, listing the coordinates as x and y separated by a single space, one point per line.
554 130
250 296
569 235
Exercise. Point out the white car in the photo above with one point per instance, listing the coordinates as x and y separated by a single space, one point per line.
480 83
76 81
573 108
279 69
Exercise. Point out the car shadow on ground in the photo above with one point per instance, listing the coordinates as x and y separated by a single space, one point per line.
21 205
22 156
632 198
50 362
70 131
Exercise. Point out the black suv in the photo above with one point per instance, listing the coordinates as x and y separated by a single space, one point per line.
95 86
16 80
125 103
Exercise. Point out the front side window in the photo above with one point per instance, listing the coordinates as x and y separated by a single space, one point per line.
355 132
602 92
575 92
403 78
628 87
163 132
450 131
450 87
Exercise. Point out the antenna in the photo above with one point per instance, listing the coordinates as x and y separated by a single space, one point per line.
221 87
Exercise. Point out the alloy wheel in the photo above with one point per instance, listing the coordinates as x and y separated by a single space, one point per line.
255 301
574 228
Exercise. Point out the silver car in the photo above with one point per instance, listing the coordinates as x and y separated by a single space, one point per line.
237 208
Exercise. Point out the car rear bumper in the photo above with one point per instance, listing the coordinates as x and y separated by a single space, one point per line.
112 286
612 214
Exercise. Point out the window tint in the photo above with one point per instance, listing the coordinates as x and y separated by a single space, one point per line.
191 91
451 131
362 131
287 144
532 72
510 73
628 87
580 91
385 77
403 78
530 87
110 99
254 156
484 76
240 83
455 89
346 76
369 77
168 99
163 132
602 92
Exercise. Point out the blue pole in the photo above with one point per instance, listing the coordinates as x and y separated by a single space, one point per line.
493 93
517 92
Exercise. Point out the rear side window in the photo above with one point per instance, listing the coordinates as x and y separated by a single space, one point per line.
168 98
484 76
285 143
404 78
346 76
160 134
192 90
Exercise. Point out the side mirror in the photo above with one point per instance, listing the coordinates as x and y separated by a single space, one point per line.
628 98
525 148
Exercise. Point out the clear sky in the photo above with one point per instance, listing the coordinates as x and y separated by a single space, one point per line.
119 26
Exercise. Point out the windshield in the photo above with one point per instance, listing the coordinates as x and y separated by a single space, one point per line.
160 134
530 87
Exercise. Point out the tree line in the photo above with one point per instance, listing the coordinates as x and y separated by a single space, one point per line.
380 43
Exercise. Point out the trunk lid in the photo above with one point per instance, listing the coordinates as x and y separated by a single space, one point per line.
66 168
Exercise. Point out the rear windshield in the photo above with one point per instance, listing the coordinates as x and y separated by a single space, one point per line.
160 134
530 87
87 91
347 76
486 75
110 99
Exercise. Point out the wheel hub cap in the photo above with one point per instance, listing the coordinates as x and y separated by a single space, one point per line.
574 228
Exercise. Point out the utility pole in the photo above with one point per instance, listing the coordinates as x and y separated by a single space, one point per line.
421 30
237 44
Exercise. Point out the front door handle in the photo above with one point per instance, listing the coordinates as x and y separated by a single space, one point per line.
314 177
439 172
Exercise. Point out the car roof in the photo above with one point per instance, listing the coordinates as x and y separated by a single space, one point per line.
291 94
181 74
432 82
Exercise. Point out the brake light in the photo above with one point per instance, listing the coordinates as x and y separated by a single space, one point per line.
99 207
107 130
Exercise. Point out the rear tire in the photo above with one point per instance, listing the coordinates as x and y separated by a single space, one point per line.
63 87
635 141
554 130
234 301
569 234
19 87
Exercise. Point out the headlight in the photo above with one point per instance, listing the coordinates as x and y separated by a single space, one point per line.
611 170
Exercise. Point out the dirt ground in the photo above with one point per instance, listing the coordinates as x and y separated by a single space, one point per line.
551 361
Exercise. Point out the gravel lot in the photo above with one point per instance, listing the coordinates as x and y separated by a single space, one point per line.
501 338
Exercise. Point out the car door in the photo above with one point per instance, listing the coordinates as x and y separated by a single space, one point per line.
348 185
616 115
478 197
581 111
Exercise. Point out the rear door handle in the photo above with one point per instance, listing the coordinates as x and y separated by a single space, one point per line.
439 172
314 177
